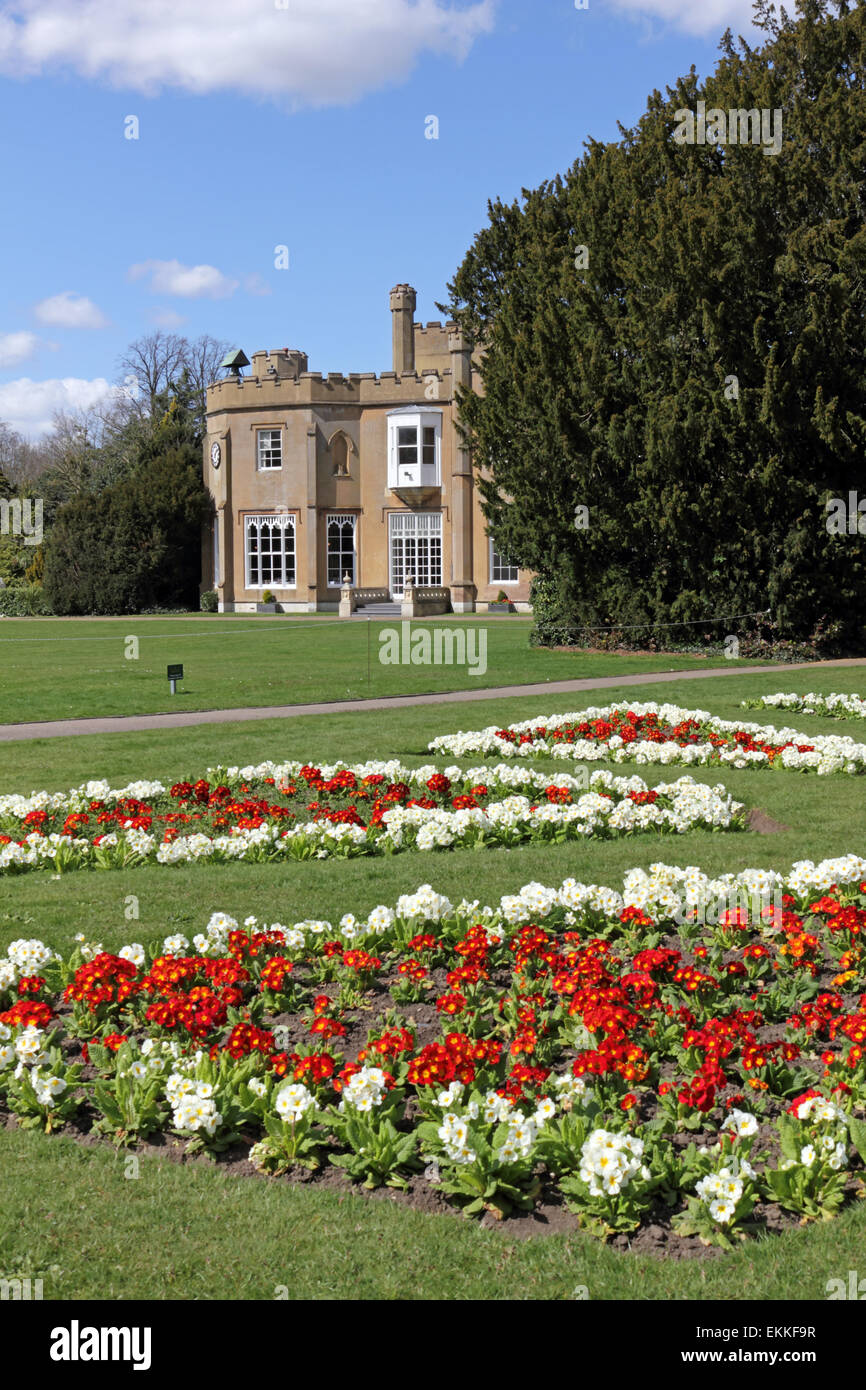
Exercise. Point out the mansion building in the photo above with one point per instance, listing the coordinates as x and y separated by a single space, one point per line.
320 482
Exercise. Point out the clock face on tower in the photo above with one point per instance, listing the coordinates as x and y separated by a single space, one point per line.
215 453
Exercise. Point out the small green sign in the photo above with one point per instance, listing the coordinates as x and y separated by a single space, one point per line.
175 673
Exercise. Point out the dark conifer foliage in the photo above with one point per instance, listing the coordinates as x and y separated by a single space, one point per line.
137 543
674 337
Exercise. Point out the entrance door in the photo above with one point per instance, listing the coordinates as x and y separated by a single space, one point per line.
414 548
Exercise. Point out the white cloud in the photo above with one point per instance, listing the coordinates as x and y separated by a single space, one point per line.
186 281
17 347
695 16
166 318
310 52
29 405
254 284
70 310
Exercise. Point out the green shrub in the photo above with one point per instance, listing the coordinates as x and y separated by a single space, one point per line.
209 601
23 601
132 547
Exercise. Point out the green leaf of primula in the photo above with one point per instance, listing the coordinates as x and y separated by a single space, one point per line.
857 1131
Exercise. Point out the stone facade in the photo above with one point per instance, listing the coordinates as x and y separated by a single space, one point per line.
318 477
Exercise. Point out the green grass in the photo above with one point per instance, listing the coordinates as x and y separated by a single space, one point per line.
187 1232
62 669
404 731
193 1232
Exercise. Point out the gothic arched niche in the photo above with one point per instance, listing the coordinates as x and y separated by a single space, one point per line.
340 447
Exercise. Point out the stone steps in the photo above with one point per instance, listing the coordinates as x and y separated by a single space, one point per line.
378 610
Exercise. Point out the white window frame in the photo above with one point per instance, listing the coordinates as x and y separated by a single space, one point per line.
498 572
421 474
262 452
343 518
420 549
284 521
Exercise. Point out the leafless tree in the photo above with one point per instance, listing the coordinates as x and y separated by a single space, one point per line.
153 363
203 357
21 461
71 446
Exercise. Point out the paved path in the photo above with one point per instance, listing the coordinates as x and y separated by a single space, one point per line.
59 728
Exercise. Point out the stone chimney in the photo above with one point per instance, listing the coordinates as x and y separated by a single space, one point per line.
403 328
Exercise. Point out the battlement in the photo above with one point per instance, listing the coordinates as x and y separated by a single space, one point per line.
431 343
279 362
313 388
443 329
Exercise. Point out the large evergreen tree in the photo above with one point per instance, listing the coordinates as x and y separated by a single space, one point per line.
137 543
694 376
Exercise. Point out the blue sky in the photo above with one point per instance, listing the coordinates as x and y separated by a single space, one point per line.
301 123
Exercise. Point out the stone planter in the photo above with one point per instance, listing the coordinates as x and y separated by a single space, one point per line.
501 608
266 608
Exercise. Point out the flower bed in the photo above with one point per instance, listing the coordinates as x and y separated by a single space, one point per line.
651 733
685 1052
296 810
832 706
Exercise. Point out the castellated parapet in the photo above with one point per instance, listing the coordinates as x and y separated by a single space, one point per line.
279 362
312 388
432 347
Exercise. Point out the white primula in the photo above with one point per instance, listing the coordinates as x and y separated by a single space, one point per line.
833 705
454 1133
294 1101
133 952
819 1110
365 1090
742 1123
519 1140
176 945
47 1088
497 1108
425 905
194 1113
570 1088
29 1046
29 956
609 1161
447 1098
380 920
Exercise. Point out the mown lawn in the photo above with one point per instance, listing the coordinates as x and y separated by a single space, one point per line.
62 669
187 1232
401 731
69 1216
